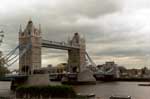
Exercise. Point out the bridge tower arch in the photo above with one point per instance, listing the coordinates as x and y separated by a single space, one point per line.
31 59
76 57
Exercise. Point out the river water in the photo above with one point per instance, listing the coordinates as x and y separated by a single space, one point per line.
4 88
104 90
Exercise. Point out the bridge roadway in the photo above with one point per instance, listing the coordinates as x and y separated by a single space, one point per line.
58 45
12 77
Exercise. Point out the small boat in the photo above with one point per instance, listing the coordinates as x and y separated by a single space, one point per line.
144 84
86 95
120 97
104 77
55 76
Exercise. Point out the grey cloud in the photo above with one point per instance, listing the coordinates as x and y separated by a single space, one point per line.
108 31
90 8
123 52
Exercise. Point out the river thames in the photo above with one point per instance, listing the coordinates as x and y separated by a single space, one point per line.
103 90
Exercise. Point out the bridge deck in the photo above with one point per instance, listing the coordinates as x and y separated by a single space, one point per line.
12 77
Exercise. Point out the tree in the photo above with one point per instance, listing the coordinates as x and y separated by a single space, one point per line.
3 70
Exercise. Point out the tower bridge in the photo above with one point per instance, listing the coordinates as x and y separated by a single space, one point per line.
31 43
31 59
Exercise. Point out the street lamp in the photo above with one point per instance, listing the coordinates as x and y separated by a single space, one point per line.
1 36
1 40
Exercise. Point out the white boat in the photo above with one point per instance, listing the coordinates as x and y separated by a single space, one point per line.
86 94
120 97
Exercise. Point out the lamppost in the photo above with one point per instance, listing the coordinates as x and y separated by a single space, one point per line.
1 36
1 40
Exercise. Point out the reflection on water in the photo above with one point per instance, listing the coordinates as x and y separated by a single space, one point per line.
4 88
103 90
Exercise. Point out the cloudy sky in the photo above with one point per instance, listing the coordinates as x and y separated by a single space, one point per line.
116 30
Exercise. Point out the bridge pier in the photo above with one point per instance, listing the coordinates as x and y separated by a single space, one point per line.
31 80
38 79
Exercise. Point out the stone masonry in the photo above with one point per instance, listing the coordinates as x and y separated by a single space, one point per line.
31 59
76 57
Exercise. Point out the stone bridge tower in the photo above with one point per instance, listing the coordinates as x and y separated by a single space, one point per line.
31 59
76 57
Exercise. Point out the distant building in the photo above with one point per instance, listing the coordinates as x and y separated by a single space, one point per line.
123 72
60 68
145 72
136 73
110 68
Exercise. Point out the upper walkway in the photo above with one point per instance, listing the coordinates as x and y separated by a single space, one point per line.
58 45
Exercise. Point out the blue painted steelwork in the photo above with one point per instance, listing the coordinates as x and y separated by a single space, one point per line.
13 56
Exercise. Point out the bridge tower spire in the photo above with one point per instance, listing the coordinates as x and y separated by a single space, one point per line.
31 59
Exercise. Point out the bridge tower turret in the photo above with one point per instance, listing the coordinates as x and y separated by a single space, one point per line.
76 57
31 59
